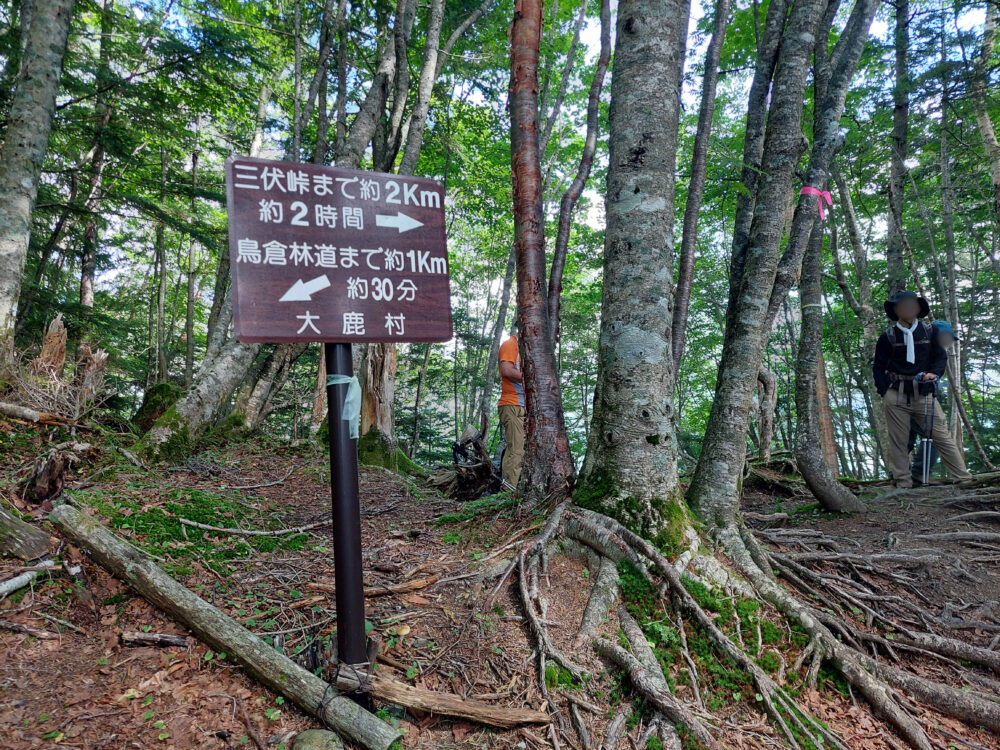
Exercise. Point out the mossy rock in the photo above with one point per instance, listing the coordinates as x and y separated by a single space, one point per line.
155 402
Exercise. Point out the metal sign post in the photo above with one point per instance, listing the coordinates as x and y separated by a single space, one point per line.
350 595
338 256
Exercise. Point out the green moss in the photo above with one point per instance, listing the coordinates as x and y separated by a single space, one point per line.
663 521
155 403
178 443
408 466
769 662
158 529
232 426
375 449
502 501
557 676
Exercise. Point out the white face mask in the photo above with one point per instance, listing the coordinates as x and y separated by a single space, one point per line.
911 355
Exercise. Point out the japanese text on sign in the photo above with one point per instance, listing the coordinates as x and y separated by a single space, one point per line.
320 253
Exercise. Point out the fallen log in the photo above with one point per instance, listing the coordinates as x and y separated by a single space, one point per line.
267 665
31 415
19 539
395 588
223 633
253 532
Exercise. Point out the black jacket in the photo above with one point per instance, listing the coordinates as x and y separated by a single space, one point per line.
891 368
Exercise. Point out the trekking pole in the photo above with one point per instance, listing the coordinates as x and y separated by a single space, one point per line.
928 433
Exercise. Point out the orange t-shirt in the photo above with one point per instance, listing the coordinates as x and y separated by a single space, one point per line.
511 393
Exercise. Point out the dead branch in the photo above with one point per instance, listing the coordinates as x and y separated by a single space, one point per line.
134 638
223 633
253 532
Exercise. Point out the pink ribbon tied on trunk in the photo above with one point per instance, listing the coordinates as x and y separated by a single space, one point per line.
820 195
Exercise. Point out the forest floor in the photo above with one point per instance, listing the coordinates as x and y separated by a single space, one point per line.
79 686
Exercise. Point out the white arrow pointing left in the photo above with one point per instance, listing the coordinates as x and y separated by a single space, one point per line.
302 291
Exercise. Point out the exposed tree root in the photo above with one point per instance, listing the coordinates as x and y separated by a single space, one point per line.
834 638
657 694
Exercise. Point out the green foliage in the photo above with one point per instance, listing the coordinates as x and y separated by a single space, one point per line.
158 529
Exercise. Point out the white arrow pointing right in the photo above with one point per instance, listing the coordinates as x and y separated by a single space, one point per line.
400 221
302 291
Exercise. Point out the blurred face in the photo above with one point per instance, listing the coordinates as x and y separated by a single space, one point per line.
907 309
946 339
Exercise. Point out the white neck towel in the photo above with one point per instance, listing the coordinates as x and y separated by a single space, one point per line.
911 355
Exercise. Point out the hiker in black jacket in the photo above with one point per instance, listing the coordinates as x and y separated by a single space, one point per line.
908 362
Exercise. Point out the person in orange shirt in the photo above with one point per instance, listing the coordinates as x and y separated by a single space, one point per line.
510 408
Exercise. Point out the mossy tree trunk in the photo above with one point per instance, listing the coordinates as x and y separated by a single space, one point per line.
630 471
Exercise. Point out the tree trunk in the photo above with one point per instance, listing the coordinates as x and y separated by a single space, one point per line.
767 391
630 471
26 139
900 130
92 204
696 185
378 439
824 414
549 465
428 75
864 307
421 376
811 454
715 487
489 376
319 395
575 190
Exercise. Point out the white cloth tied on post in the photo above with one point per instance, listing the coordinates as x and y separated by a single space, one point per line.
352 402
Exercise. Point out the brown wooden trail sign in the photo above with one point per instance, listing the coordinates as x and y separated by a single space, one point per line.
339 255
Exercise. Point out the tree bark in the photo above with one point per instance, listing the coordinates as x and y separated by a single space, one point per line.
549 465
499 326
863 306
899 144
768 399
810 452
575 190
631 464
26 139
428 75
715 487
696 184
824 414
19 539
319 395
421 377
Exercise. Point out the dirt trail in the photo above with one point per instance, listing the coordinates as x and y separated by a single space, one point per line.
86 690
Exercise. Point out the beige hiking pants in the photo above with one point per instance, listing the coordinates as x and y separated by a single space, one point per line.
512 419
897 416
